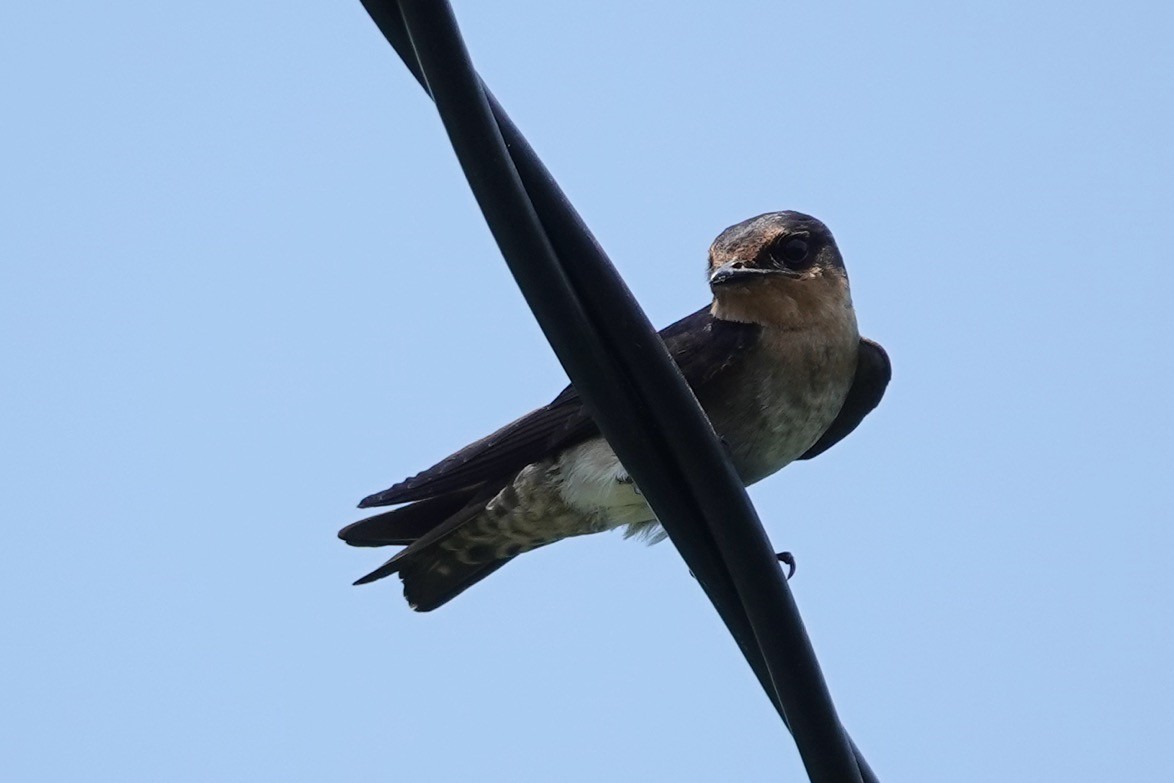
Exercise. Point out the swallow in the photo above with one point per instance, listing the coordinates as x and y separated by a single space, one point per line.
775 360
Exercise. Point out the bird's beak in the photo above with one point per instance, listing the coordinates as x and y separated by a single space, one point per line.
738 272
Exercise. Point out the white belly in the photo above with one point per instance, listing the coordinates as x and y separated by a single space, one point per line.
593 482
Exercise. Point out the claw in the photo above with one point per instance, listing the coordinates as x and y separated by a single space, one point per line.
787 559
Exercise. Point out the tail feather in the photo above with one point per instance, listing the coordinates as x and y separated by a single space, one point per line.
429 584
432 574
404 525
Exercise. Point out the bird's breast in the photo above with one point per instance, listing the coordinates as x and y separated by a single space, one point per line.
769 409
778 403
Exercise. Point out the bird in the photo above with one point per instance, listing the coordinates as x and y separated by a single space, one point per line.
776 361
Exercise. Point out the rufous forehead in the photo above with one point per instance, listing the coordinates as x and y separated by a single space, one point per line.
746 248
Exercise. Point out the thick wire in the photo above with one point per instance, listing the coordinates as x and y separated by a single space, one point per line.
618 364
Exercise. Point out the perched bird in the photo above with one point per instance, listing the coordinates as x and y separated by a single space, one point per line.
776 361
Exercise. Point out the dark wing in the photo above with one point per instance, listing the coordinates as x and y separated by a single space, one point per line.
558 425
701 345
403 525
704 347
873 372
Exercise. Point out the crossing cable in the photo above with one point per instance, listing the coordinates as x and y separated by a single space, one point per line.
628 382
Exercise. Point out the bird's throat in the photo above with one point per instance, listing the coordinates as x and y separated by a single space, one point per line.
819 303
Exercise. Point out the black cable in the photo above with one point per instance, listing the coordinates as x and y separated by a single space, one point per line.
617 363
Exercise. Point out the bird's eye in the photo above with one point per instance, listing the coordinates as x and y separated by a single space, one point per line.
792 253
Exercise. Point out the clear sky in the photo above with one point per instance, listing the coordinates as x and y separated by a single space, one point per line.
243 284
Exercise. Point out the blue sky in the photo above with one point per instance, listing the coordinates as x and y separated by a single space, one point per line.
243 284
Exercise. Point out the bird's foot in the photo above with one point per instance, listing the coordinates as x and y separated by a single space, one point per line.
787 559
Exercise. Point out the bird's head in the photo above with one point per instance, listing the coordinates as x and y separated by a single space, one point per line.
778 269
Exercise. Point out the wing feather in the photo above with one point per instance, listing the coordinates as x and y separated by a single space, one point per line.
873 372
702 346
